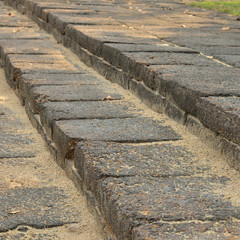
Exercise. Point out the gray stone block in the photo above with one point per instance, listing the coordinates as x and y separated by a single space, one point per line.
63 93
130 201
66 134
55 111
221 115
96 160
185 84
36 207
191 230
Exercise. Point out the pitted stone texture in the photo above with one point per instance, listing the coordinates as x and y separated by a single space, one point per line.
20 33
37 236
95 160
233 60
54 111
114 52
62 93
135 63
92 37
27 81
60 19
19 64
130 201
221 115
185 89
52 208
12 137
38 47
188 230
67 133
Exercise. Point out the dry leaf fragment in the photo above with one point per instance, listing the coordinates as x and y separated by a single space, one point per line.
14 211
184 26
107 98
225 28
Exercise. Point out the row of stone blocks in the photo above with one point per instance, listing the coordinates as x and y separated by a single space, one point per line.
192 89
145 184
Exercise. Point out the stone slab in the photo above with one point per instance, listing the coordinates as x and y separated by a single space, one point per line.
166 58
112 51
67 133
22 235
92 37
18 64
233 60
55 111
13 138
20 33
39 208
184 89
216 50
188 230
38 47
221 115
27 81
96 160
63 93
60 19
130 201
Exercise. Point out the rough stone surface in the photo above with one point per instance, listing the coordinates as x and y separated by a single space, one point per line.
12 137
130 201
67 133
50 211
54 111
27 81
188 230
232 60
37 47
134 181
96 160
185 89
61 93
221 115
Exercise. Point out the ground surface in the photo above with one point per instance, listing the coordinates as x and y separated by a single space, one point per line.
148 176
37 200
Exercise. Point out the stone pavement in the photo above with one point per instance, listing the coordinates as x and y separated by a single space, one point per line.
37 200
145 174
177 59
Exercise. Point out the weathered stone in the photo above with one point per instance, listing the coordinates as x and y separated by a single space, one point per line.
185 89
221 115
27 81
18 33
147 96
12 137
112 52
188 230
38 47
63 93
19 64
59 20
232 60
67 133
92 37
54 111
130 201
96 160
42 207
